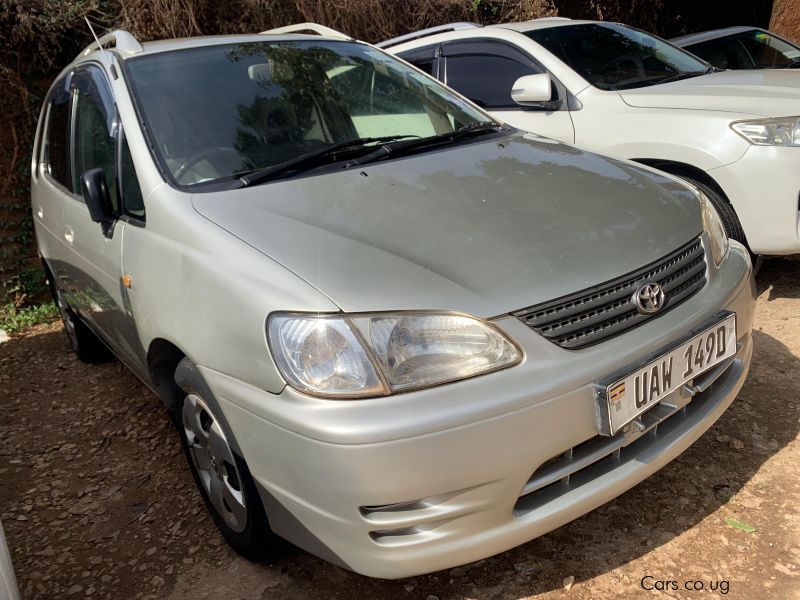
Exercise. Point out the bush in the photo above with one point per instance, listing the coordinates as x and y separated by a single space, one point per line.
15 320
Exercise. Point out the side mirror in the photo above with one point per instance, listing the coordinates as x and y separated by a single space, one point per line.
535 91
97 198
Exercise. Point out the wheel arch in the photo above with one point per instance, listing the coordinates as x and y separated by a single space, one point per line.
727 212
163 358
680 169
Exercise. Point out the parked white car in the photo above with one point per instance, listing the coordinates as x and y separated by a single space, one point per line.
742 48
622 92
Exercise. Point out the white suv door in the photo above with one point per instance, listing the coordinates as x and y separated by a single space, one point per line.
51 177
485 70
95 259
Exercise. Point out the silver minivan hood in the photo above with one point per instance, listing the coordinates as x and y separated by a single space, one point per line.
484 228
765 92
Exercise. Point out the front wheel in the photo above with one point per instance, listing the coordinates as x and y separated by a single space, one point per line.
223 478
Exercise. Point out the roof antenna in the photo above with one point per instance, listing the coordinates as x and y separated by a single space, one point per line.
96 39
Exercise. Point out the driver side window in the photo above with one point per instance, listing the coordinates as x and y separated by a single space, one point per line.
485 71
95 129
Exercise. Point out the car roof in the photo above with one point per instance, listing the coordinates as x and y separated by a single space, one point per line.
545 23
712 34
418 38
127 47
221 40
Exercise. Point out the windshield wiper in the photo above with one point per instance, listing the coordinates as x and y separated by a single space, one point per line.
474 128
312 159
689 74
387 145
680 76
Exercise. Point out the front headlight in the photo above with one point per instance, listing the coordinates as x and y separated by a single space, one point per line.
354 356
715 230
780 131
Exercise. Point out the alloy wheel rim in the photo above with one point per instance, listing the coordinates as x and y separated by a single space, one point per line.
214 462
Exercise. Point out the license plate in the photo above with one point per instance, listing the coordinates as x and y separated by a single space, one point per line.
643 388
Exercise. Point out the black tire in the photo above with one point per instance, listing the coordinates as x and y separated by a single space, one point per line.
253 539
730 221
85 344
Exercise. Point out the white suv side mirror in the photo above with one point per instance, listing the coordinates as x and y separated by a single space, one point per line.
535 91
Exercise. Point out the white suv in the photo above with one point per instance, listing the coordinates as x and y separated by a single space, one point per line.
619 91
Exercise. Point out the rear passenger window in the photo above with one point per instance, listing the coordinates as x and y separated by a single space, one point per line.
422 58
55 155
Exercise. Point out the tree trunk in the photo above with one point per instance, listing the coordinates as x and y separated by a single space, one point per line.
785 19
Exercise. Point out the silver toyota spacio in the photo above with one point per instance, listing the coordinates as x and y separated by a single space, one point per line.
390 329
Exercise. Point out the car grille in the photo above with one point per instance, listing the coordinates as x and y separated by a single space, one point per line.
600 312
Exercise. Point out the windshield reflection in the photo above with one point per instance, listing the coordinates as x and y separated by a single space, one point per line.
218 111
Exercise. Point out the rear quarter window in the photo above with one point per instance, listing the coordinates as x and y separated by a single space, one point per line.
422 58
55 153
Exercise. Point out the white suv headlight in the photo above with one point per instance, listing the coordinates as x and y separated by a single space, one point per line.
779 131
355 356
715 230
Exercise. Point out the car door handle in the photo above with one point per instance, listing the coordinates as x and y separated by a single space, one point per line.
40 212
69 235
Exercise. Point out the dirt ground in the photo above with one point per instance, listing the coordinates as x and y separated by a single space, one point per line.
97 500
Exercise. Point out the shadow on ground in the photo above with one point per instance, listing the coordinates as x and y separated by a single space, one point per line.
780 275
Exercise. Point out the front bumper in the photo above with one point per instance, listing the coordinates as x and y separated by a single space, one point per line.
764 188
419 482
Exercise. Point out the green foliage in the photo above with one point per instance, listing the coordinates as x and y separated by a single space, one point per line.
740 525
39 38
14 320
489 10
49 32
28 283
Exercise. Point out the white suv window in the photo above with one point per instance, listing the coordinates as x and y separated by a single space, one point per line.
485 71
55 151
94 137
616 57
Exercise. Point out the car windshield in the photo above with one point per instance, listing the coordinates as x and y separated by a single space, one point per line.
614 57
752 49
217 112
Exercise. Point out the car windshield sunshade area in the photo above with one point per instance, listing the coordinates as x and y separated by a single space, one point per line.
615 57
215 114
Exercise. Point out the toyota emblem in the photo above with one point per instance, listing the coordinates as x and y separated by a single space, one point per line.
649 298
